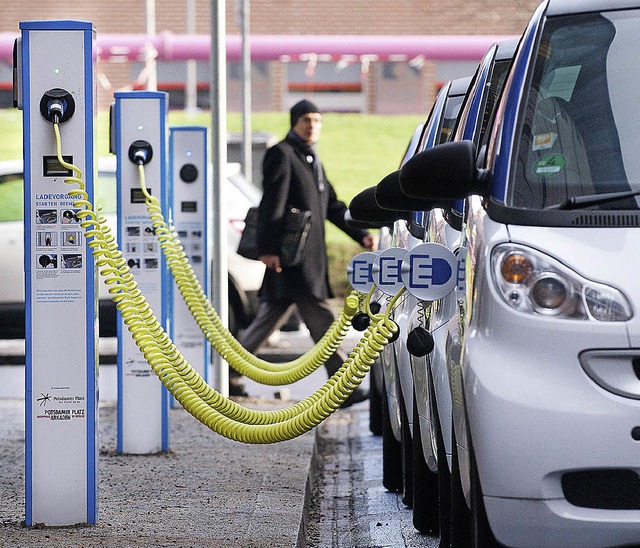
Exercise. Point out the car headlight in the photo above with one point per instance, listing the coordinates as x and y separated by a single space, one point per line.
549 293
532 282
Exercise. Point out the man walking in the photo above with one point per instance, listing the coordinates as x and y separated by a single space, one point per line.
293 176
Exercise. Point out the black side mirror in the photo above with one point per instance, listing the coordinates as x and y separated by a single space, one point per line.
364 208
389 195
446 171
366 225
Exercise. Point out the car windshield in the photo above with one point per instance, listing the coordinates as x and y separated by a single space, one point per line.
580 135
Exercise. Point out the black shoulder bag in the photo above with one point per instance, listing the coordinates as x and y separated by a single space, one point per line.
296 227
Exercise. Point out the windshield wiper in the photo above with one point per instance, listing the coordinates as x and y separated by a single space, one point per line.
577 202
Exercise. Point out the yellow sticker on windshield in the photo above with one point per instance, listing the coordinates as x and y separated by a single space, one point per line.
544 141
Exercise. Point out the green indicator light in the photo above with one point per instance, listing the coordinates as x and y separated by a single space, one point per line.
140 127
56 71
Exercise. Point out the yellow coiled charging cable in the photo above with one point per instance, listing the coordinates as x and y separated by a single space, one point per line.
212 327
212 409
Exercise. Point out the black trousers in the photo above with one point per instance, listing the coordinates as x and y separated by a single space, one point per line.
317 315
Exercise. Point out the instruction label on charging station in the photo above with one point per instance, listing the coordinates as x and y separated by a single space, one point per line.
141 250
59 244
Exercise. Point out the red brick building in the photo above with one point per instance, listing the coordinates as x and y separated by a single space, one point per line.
377 86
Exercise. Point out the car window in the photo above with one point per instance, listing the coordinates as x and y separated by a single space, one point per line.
579 134
496 83
451 113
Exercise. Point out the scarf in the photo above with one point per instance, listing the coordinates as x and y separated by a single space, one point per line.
310 151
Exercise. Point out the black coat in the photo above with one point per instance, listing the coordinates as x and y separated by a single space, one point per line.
288 180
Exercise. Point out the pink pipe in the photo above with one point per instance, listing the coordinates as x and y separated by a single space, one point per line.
180 47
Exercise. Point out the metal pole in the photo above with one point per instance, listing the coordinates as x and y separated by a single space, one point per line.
218 228
150 55
247 141
191 85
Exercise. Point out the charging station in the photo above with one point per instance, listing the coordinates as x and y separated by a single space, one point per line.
138 136
55 82
188 187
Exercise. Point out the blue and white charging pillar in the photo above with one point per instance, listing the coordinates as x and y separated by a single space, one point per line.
188 187
139 130
55 82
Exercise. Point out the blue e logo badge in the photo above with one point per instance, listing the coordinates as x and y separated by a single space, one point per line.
429 271
360 271
387 270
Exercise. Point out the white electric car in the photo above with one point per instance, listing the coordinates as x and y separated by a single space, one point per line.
419 484
245 276
543 351
432 411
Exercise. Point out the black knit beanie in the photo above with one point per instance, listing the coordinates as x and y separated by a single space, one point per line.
300 109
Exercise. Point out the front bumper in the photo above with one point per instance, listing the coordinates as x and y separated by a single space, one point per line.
536 418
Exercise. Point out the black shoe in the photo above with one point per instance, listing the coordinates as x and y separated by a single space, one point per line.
236 388
357 396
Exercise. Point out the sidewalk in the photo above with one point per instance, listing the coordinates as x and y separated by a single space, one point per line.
207 491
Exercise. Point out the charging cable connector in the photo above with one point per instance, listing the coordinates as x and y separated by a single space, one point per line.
57 105
140 152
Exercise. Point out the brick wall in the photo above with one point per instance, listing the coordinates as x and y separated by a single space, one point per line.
387 16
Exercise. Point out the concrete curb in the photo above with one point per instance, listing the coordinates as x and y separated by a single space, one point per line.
307 529
347 504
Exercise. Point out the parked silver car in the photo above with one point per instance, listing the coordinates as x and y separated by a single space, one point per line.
542 351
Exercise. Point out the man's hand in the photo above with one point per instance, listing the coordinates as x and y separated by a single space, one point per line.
368 242
272 262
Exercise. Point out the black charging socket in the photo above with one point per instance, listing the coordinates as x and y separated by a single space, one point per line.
57 105
140 152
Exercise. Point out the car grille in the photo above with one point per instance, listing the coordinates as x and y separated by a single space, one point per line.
607 220
612 489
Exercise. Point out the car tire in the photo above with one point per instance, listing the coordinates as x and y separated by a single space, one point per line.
481 534
375 402
391 453
444 475
425 483
406 446
460 513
